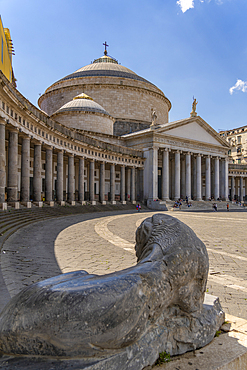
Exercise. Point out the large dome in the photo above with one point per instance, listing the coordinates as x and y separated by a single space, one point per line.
129 98
104 66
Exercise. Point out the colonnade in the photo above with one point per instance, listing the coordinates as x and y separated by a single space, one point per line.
185 174
238 187
81 171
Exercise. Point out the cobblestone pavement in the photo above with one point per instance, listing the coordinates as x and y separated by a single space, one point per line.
103 243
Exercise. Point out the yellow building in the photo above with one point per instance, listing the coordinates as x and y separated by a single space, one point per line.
6 51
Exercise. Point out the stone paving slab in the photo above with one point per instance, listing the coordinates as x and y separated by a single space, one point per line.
45 249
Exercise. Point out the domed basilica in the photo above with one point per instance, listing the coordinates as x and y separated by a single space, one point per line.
102 134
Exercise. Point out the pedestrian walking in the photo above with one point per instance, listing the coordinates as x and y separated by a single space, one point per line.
227 207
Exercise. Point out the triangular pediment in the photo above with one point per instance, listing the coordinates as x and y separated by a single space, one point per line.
195 129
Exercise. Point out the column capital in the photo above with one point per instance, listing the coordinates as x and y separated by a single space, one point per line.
13 128
24 136
3 121
188 153
47 146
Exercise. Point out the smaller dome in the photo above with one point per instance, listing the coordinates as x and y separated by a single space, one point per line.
84 103
82 113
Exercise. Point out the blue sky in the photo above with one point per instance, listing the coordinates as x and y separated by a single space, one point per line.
187 48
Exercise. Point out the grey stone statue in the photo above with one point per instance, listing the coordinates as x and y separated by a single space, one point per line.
124 318
154 118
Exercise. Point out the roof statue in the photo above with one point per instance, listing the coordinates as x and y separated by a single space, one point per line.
154 118
194 104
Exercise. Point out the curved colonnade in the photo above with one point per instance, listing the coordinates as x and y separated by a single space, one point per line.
41 159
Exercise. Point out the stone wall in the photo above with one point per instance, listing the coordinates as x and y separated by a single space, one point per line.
126 127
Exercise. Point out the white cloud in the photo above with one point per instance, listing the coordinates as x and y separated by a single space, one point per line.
239 85
189 4
185 4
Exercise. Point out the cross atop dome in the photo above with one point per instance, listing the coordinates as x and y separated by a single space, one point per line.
105 44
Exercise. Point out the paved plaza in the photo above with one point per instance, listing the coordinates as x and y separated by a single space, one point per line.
104 243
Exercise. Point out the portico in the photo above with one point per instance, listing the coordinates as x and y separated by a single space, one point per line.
178 166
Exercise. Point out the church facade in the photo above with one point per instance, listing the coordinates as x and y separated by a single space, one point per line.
103 134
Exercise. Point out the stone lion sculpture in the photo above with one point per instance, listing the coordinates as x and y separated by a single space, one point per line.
157 303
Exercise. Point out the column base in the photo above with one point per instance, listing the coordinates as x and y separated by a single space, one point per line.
71 202
103 202
38 204
16 205
83 202
113 202
93 202
27 204
50 203
123 202
61 203
133 202
156 204
3 206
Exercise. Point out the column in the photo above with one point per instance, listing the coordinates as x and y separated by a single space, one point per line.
241 189
37 182
232 188
183 181
245 190
122 185
151 174
226 182
91 182
177 175
71 178
165 175
12 167
25 170
48 175
172 177
222 177
216 178
194 178
133 187
112 183
2 160
102 182
139 184
188 175
60 176
81 179
198 177
208 178
128 181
